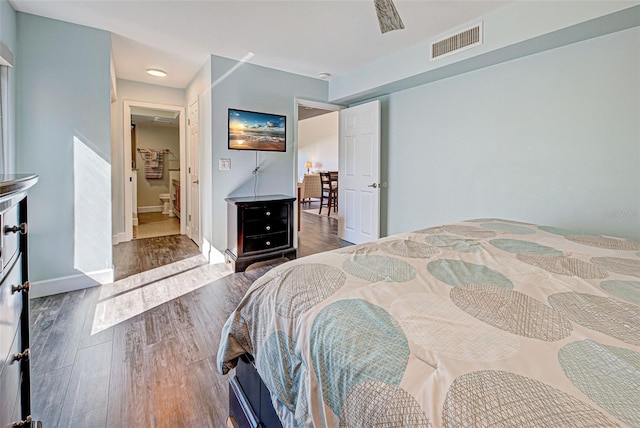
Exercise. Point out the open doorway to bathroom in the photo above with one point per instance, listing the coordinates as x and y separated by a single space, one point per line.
155 154
154 157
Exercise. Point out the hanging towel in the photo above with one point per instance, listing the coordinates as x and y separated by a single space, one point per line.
153 163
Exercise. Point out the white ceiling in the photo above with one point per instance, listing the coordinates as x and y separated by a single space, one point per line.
300 36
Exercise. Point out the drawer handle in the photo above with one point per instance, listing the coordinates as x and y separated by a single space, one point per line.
268 243
24 355
14 229
268 228
268 213
22 287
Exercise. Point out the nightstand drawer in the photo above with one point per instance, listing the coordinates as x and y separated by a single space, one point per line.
265 242
261 227
265 212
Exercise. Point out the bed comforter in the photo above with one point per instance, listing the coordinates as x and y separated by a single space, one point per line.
478 323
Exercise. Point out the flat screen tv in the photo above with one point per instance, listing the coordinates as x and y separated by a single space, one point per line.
250 130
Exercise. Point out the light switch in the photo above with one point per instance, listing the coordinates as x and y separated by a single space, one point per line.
224 164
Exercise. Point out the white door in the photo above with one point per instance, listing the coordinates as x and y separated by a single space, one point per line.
193 177
359 173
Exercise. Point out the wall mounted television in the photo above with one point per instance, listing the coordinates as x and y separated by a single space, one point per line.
250 130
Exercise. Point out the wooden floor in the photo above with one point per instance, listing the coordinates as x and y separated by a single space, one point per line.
156 368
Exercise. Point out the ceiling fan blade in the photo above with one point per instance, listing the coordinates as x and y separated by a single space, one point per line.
388 17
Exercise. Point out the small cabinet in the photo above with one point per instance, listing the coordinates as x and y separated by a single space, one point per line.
259 228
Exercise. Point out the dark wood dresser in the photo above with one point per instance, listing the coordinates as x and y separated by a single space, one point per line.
259 228
15 391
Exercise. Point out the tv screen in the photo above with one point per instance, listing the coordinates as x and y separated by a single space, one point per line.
250 130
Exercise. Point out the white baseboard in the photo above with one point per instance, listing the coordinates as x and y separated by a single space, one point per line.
213 254
70 283
205 248
150 209
118 238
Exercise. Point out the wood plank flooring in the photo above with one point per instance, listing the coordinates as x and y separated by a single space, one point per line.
156 368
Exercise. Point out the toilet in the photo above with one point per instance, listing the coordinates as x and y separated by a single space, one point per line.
166 203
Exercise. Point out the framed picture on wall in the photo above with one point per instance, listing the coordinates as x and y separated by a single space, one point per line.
250 130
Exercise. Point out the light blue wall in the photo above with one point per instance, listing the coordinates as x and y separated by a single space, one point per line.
261 89
63 82
552 138
8 36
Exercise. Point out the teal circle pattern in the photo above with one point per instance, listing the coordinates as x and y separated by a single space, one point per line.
458 272
377 268
516 246
453 243
355 327
608 375
626 290
507 228
278 352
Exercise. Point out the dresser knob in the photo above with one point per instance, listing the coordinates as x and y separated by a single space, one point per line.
268 228
28 422
24 355
231 422
22 287
14 229
268 213
268 243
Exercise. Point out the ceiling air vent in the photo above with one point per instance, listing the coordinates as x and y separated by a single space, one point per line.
455 43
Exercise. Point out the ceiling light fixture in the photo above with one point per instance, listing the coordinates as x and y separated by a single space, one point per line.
156 72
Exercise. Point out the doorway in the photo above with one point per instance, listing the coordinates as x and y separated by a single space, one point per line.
316 128
160 164
155 154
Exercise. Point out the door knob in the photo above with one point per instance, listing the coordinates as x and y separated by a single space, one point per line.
374 185
196 182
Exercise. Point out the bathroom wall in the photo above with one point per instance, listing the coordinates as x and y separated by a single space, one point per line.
156 137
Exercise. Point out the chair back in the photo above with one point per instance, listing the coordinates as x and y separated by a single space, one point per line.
311 186
333 175
325 179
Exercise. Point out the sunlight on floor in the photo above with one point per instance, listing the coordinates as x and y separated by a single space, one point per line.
138 293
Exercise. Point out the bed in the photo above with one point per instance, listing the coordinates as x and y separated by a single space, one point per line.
479 323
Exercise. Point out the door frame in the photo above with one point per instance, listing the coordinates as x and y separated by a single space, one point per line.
301 102
189 231
126 164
